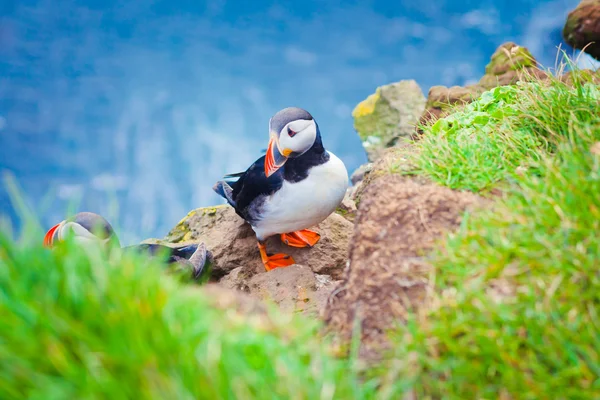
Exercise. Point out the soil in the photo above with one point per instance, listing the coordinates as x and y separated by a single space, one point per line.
399 220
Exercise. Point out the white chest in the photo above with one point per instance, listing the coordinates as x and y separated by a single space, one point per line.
304 204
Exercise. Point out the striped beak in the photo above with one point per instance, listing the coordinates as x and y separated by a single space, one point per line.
274 159
49 238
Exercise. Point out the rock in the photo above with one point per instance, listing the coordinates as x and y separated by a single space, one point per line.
347 207
399 220
393 159
582 28
359 173
232 300
387 115
295 289
240 308
509 64
233 244
237 279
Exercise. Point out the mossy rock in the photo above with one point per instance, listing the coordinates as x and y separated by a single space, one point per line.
510 57
182 231
387 115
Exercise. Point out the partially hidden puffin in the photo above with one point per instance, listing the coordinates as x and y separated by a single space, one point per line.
294 186
88 228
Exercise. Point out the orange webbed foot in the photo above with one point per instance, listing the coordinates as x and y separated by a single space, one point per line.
303 238
278 260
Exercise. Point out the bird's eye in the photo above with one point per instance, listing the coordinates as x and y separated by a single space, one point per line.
291 133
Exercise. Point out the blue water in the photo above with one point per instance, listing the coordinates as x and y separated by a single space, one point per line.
134 109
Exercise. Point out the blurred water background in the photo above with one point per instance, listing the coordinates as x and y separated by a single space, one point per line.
134 109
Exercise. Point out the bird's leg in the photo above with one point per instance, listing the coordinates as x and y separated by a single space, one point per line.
274 261
303 238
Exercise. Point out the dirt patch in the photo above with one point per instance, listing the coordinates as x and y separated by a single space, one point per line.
399 220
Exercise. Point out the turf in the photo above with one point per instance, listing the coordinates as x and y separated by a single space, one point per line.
507 130
517 288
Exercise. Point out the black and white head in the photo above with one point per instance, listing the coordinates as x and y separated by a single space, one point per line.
292 132
86 228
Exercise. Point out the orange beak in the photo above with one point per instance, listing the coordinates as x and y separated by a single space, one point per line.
274 159
48 239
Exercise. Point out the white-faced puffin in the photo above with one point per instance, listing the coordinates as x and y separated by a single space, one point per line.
294 186
89 228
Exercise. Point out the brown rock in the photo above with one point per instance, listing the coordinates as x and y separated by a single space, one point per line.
226 299
347 207
295 289
359 173
233 243
237 279
398 222
582 28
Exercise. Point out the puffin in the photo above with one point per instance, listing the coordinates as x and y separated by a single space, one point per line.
88 228
291 188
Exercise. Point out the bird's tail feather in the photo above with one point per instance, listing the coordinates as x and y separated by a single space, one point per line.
223 189
185 251
234 175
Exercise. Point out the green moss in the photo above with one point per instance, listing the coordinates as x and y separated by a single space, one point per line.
342 211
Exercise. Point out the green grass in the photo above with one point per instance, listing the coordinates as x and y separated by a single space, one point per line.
517 304
508 129
76 324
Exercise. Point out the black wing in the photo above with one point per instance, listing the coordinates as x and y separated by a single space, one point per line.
252 184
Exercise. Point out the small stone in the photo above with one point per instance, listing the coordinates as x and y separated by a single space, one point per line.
360 172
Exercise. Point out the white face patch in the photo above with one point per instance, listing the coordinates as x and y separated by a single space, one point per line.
81 236
76 229
300 141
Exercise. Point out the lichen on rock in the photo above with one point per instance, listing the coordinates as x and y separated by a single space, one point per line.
387 115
